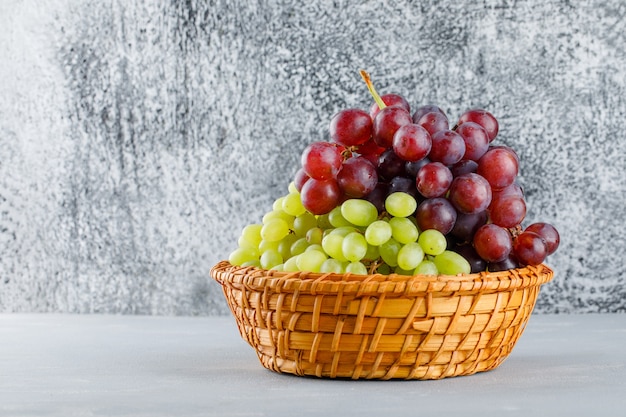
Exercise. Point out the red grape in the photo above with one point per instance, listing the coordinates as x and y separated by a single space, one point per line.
322 160
448 147
357 177
320 196
507 211
413 167
428 108
467 251
351 127
549 234
390 165
411 142
499 166
466 225
508 263
508 148
433 180
403 184
370 150
513 189
529 248
470 193
476 140
492 242
436 213
300 178
387 122
483 118
464 167
434 122
390 100
378 195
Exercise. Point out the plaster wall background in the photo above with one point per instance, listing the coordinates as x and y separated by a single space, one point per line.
137 138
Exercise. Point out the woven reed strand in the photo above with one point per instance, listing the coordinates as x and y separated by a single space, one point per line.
380 326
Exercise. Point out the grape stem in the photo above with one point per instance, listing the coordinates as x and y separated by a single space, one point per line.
515 231
370 87
373 267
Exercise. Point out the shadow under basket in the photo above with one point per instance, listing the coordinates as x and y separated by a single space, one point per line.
380 326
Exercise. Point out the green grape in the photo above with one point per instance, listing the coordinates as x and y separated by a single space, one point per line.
243 243
426 267
255 263
251 236
304 223
359 212
293 205
354 247
336 219
279 214
432 241
284 246
372 253
242 255
299 246
403 230
252 232
401 271
332 244
410 256
271 258
314 235
292 187
315 246
291 264
383 269
274 230
311 260
356 268
332 265
400 204
451 263
378 232
277 267
389 251
344 230
278 203
323 222
266 245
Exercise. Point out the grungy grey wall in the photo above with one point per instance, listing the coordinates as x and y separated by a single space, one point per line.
137 138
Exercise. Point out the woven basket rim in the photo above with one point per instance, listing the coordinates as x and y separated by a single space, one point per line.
258 279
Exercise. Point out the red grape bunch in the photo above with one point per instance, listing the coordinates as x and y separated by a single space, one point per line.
398 192
464 183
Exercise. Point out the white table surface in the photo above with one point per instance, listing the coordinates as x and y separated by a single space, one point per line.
95 365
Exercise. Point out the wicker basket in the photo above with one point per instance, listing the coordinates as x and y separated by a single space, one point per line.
380 326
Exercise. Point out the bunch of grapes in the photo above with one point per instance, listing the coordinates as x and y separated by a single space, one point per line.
398 192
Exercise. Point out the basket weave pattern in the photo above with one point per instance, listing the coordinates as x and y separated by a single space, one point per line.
380 326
